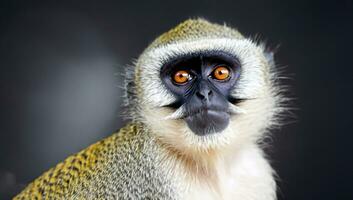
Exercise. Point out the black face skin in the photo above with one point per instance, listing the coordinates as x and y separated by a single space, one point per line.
205 97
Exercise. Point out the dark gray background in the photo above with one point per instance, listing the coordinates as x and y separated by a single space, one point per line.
60 85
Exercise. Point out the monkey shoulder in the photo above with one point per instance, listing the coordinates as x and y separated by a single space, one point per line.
108 168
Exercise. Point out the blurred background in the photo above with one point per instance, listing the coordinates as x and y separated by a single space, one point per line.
60 81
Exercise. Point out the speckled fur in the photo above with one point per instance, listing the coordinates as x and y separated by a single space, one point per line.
122 166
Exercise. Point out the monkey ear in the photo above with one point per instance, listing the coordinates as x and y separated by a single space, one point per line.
269 54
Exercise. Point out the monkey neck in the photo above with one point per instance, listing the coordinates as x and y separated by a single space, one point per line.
197 167
203 166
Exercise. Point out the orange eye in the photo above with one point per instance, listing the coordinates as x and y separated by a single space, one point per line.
221 73
181 77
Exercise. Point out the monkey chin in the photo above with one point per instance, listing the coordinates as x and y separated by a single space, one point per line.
207 121
175 133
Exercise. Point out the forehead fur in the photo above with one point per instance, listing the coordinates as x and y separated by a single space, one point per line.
195 29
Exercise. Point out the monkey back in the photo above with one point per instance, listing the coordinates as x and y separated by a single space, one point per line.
122 166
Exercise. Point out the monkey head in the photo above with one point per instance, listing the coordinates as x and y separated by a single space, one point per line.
203 86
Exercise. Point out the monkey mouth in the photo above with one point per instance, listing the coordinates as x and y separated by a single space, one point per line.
207 121
205 111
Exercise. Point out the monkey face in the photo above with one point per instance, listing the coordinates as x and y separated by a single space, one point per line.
206 93
202 85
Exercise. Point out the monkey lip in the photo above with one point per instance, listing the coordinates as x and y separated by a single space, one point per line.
206 111
207 121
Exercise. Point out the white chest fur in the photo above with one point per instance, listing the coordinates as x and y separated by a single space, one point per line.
245 175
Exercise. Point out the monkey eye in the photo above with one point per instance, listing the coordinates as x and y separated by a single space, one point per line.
221 73
181 77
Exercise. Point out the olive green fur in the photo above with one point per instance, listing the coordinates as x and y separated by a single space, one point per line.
121 166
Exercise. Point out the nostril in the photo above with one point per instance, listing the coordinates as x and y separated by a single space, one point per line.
201 96
209 93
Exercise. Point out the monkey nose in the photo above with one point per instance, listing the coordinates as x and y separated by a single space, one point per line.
204 94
